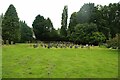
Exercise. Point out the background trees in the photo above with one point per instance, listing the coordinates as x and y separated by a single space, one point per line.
87 34
63 31
44 30
72 24
90 25
106 19
85 14
10 25
25 32
114 42
39 27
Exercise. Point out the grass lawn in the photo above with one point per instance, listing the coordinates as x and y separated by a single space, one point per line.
23 61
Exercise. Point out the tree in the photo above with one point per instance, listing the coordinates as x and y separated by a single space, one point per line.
85 14
73 22
63 30
87 34
97 38
43 29
26 32
49 25
39 27
51 33
114 42
107 19
10 25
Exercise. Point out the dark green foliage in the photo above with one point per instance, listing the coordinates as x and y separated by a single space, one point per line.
63 31
39 27
44 30
73 22
26 32
51 33
90 25
114 43
108 19
97 38
10 25
87 34
85 15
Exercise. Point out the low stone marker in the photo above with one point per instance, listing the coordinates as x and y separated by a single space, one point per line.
35 45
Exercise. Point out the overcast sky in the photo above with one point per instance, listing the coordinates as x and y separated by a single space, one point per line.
28 9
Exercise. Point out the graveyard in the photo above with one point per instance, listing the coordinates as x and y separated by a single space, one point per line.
25 61
39 40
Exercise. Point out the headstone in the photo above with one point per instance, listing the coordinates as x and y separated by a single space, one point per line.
86 45
49 46
44 45
12 42
7 42
82 46
76 46
56 46
71 46
60 46
35 45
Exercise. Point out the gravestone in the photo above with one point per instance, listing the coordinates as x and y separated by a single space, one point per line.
35 45
7 42
49 46
71 46
12 42
82 46
76 46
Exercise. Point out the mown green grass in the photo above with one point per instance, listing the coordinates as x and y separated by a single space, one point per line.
24 61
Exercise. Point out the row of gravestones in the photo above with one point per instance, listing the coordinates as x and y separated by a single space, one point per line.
7 42
60 45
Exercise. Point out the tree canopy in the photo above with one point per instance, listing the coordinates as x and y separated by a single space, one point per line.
10 25
90 25
63 30
25 32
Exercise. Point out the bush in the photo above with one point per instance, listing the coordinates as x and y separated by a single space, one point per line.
114 42
87 34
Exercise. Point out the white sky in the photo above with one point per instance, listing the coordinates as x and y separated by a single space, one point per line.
28 9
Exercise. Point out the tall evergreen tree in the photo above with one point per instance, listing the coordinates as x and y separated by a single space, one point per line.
10 25
39 27
49 24
50 33
63 30
25 31
73 22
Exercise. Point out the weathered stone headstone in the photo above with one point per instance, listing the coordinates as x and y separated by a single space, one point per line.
35 45
82 46
71 46
49 46
76 46
7 42
12 42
